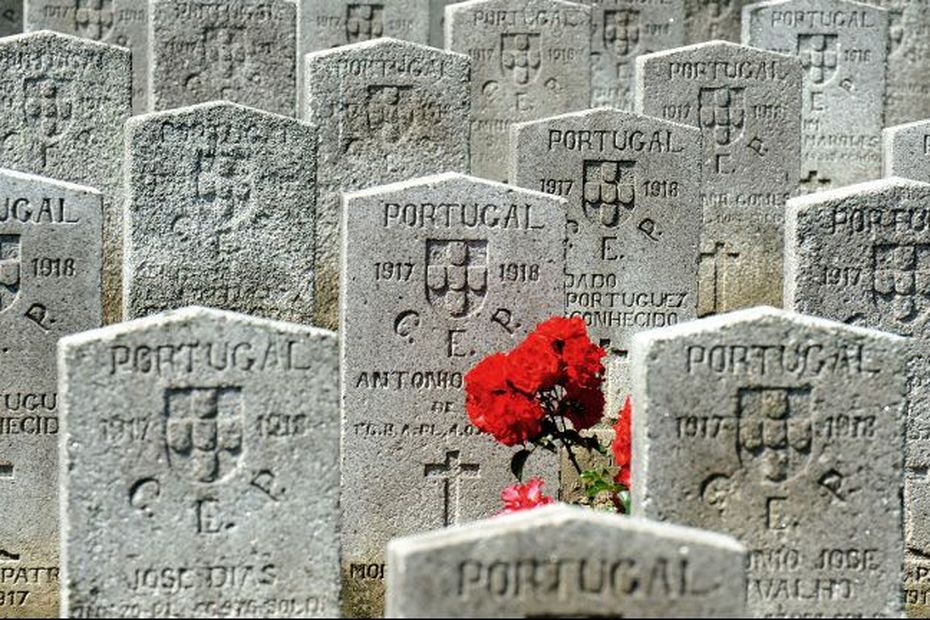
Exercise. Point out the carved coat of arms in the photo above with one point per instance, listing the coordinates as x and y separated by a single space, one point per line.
775 431
456 276
609 192
521 57
203 433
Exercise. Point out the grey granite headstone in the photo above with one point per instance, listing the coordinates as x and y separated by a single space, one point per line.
387 111
11 17
861 254
200 468
566 561
330 23
50 258
621 31
747 103
243 51
65 101
118 22
438 272
530 60
220 203
437 21
842 47
907 97
787 432
634 220
707 20
906 151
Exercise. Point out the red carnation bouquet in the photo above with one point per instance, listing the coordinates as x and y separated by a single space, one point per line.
543 394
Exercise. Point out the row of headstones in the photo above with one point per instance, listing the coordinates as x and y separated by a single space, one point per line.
201 426
202 50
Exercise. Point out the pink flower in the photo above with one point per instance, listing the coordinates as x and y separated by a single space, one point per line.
519 497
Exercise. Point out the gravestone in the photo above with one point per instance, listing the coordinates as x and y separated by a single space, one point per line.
842 47
200 470
220 212
530 60
11 17
566 561
118 22
622 30
906 151
64 106
709 20
634 221
244 51
438 273
747 103
386 111
437 22
907 96
50 259
757 424
862 255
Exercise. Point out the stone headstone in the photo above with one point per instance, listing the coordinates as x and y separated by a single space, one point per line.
438 273
331 23
118 22
758 424
708 20
907 95
622 30
200 468
437 22
11 17
220 212
634 220
566 561
63 109
861 254
747 103
530 60
50 260
906 151
244 51
842 47
387 111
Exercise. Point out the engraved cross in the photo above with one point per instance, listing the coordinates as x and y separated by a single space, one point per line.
719 259
451 473
813 181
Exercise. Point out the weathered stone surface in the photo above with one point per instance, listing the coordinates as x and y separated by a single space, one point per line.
861 255
11 17
200 468
622 30
634 221
331 23
906 151
244 51
437 22
907 95
708 20
64 106
530 60
747 103
50 260
386 111
566 561
118 22
757 424
843 48
220 212
438 273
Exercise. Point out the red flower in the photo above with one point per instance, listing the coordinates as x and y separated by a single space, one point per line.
524 496
558 330
623 443
495 408
533 365
583 406
583 367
